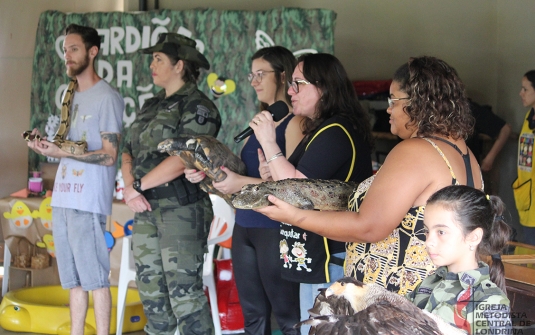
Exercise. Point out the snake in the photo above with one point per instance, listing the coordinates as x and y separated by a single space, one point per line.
72 147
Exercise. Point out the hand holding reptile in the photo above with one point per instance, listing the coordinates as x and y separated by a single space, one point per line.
230 184
40 145
279 210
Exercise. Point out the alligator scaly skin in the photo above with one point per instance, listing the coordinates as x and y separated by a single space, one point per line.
319 194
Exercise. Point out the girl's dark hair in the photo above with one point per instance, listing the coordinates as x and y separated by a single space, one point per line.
338 96
283 63
530 75
473 209
89 35
191 69
438 103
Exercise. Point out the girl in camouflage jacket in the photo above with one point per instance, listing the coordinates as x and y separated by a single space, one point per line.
462 224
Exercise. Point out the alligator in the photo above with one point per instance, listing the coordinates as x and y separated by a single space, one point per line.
319 194
205 153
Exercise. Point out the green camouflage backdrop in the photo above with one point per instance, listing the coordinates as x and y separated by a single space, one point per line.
228 39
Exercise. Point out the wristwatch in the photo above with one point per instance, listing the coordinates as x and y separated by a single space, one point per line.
137 185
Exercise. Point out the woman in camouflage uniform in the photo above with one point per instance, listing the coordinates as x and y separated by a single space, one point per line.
173 216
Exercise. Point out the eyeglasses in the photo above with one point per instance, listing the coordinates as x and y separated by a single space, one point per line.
392 100
257 76
295 84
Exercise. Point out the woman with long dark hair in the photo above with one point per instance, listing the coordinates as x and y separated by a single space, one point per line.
428 109
337 145
255 239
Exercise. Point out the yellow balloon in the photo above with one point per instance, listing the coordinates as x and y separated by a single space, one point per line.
220 85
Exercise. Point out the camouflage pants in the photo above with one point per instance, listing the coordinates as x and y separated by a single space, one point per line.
168 244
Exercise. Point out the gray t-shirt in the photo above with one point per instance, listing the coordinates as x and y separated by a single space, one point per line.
85 186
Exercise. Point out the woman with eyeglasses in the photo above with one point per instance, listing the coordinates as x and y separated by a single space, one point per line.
337 145
429 111
255 239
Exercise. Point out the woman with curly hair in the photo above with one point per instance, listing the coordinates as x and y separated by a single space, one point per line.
429 111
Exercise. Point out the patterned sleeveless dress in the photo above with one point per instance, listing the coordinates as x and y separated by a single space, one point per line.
400 261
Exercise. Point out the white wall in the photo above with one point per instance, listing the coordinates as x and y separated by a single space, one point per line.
18 24
372 38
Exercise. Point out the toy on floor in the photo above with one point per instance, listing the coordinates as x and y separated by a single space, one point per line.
45 310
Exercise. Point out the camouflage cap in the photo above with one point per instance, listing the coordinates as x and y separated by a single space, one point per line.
178 45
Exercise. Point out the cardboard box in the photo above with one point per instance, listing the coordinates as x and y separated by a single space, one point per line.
48 173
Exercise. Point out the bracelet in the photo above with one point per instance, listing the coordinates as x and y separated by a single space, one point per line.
275 156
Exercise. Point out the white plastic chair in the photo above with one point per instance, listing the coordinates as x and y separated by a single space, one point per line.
127 273
6 265
220 231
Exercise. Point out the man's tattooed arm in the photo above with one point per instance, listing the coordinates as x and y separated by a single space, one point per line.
107 155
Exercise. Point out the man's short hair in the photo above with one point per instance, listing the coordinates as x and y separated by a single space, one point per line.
88 34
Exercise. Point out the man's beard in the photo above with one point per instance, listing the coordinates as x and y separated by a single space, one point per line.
73 71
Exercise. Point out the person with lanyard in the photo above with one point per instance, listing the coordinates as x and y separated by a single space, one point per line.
337 145
173 216
523 189
428 109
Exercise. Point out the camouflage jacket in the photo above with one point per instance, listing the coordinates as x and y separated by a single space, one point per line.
467 300
187 111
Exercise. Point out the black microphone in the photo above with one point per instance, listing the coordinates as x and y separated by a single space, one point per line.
278 110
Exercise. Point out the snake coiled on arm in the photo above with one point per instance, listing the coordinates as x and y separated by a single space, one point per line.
72 147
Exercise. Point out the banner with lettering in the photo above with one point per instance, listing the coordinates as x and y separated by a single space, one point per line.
228 39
